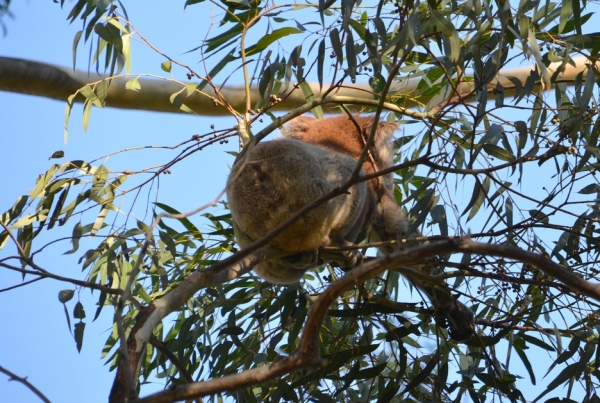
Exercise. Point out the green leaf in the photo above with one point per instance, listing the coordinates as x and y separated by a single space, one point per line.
115 23
57 154
43 180
443 24
309 96
334 37
320 62
370 373
381 30
76 39
133 84
508 206
176 100
219 40
166 66
351 57
68 318
87 110
477 197
100 220
587 89
15 210
190 2
216 69
535 50
79 330
58 208
377 82
589 189
65 295
422 375
523 356
452 46
522 130
498 152
438 216
77 233
374 56
78 311
538 215
105 32
566 12
126 51
270 38
170 244
184 221
68 107
358 28
30 218
570 371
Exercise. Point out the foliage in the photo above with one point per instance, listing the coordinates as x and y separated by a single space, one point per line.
4 12
492 140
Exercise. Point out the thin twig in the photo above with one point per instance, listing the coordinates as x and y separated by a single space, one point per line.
25 382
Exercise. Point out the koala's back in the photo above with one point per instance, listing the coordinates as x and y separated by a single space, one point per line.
277 178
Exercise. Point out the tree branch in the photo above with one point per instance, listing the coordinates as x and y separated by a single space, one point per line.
307 354
25 382
46 80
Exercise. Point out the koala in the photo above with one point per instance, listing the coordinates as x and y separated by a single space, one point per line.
277 178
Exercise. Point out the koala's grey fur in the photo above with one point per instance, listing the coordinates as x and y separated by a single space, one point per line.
277 178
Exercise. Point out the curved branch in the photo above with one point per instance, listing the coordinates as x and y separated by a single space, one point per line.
25 382
307 354
150 316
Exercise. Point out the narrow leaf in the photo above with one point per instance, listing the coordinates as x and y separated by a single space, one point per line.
270 38
334 36
320 63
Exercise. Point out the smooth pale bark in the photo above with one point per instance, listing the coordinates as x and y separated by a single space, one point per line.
55 82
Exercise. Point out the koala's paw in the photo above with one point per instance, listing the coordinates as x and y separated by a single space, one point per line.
352 258
457 318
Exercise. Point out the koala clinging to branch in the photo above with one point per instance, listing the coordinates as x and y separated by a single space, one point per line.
277 178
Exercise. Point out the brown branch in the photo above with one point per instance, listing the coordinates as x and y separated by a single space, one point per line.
162 347
25 382
307 354
46 274
250 377
500 324
151 315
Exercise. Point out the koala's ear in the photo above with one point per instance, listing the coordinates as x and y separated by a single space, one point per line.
385 130
295 127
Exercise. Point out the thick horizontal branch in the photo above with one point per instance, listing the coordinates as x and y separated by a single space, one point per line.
55 82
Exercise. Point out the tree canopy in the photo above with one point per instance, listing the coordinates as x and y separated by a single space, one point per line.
496 166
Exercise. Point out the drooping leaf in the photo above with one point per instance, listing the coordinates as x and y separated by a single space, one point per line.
270 38
65 295
79 330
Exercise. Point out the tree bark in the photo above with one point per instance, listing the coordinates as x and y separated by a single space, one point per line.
46 80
